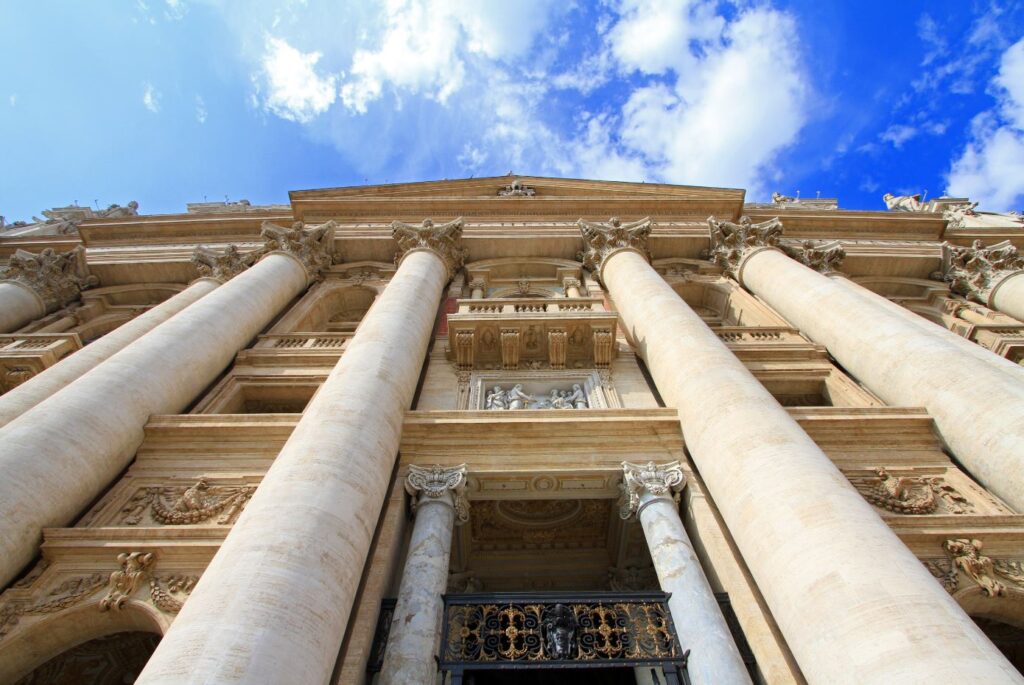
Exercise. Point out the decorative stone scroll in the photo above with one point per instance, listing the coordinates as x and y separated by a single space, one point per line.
181 506
974 271
223 265
601 241
432 483
312 246
58 278
498 399
730 242
658 480
444 240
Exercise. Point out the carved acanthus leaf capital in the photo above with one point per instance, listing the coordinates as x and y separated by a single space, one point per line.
435 482
825 257
313 246
730 242
444 240
974 271
58 278
657 480
223 265
602 240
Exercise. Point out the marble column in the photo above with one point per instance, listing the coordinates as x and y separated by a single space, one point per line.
416 628
648 494
975 397
36 284
215 268
987 275
273 604
52 473
854 604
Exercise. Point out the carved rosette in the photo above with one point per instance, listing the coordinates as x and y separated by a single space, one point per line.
601 241
444 240
223 265
731 242
822 256
58 278
312 246
437 482
975 271
656 480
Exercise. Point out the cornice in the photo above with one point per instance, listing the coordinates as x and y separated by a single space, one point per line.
854 225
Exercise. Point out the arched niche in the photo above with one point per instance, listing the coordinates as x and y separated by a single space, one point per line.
24 650
1001 618
331 306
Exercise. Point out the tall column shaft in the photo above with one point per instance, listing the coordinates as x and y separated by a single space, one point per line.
977 406
714 657
416 627
59 455
273 604
1008 296
852 601
36 389
19 305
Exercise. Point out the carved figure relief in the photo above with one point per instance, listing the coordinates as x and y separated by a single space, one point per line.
177 506
134 566
499 399
516 189
967 557
913 495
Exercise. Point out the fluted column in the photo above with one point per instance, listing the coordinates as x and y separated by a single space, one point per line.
648 494
416 627
298 549
987 275
59 455
848 595
975 397
214 268
36 284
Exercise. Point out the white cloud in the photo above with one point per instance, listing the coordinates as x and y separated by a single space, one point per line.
201 113
897 134
151 97
654 36
294 89
991 168
13 99
175 9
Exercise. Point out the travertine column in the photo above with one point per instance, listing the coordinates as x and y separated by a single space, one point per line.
987 275
854 604
36 284
59 455
572 287
273 604
975 397
477 287
647 494
416 627
215 269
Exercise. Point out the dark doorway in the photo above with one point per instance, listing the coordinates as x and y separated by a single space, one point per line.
111 660
1009 639
564 676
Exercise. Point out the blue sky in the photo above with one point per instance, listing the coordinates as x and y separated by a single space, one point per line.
173 101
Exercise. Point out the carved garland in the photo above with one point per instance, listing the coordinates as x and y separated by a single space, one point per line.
175 506
912 495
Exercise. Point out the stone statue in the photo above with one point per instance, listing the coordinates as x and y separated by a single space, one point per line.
577 399
116 210
560 632
903 203
496 399
780 199
517 399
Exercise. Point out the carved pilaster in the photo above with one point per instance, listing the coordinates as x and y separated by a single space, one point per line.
58 278
822 256
557 345
604 345
974 271
436 482
444 240
730 242
601 241
464 349
509 348
312 246
223 266
657 480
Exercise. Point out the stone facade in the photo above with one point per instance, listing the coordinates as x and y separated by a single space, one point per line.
276 436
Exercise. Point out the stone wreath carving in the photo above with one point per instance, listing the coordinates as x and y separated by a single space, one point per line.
177 506
912 495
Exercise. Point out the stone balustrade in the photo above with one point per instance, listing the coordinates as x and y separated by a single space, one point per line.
23 356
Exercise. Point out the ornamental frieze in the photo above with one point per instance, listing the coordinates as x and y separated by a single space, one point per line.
186 505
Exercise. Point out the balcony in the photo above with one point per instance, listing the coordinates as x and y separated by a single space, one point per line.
22 356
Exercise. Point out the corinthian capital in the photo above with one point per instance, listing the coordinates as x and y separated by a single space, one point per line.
438 483
731 242
223 266
656 480
822 256
974 271
601 241
444 240
313 246
57 278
